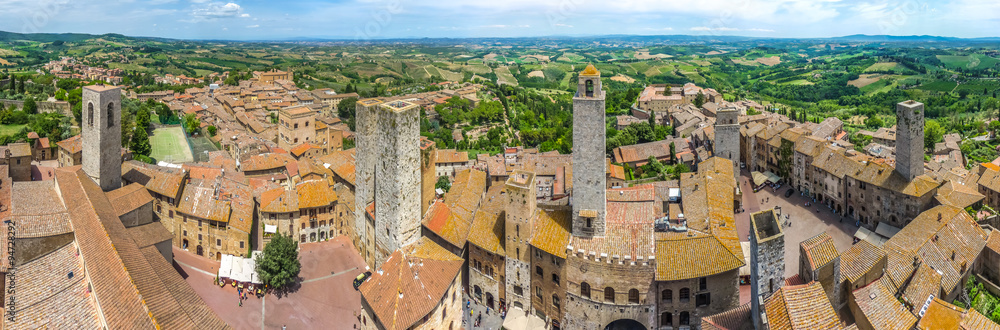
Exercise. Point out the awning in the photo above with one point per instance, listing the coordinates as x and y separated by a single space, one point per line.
745 270
867 235
771 177
518 319
759 179
225 266
270 229
886 230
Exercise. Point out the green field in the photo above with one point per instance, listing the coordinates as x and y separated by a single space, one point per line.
170 145
972 61
940 86
10 129
883 66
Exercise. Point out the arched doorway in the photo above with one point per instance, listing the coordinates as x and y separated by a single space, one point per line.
200 251
625 324
489 300
478 292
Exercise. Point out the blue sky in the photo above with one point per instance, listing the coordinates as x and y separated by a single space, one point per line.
372 19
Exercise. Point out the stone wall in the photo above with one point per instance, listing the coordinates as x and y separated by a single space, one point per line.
722 289
490 285
397 176
140 216
520 212
910 139
60 107
589 163
594 313
364 172
551 281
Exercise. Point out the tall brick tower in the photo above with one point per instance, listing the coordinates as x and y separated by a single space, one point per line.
365 155
102 135
397 177
767 260
727 137
520 216
910 139
589 163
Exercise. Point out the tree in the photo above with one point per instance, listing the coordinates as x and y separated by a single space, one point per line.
211 130
994 127
278 265
140 142
346 108
191 123
30 107
673 153
874 122
933 132
443 183
699 99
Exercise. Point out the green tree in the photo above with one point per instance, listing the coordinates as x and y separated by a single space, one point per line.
699 99
278 265
994 127
874 122
140 142
443 183
346 108
673 153
191 123
30 106
211 130
933 132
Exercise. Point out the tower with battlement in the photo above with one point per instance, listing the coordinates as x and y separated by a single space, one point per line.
767 261
102 138
727 137
910 139
589 162
397 177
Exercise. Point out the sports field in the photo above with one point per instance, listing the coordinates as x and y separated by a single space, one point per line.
169 145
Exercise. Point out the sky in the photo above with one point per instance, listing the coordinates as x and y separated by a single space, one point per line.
379 19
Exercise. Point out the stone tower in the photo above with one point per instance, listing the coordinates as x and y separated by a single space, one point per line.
910 139
727 137
364 172
397 177
428 173
520 216
102 135
767 260
589 163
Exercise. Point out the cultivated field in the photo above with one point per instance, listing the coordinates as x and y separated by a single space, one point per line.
169 145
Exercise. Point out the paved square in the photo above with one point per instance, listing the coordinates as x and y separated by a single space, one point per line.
806 221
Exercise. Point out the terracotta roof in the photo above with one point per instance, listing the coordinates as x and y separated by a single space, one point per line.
675 260
859 260
945 238
37 209
941 315
820 250
398 296
976 321
738 318
881 308
19 149
450 156
886 177
128 198
993 241
452 218
958 195
164 181
199 201
551 232
267 161
48 298
708 201
149 234
925 282
315 193
487 231
616 171
72 145
629 225
279 200
302 148
801 307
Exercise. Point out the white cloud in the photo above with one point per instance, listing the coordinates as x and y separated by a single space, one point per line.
218 10
253 26
659 29
721 28
760 30
562 25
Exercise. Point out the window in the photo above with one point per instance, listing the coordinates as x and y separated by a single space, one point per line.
538 270
185 233
518 291
702 284
555 301
685 295
296 125
666 319
703 299
218 242
199 237
555 278
538 292
111 115
685 318
667 295
609 294
633 296
90 114
199 223
241 245
590 222
585 290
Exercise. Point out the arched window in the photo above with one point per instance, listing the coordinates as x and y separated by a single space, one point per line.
667 295
685 318
585 290
589 88
90 114
685 295
111 114
633 296
666 319
609 294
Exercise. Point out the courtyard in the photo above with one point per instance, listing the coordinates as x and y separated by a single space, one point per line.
324 295
806 221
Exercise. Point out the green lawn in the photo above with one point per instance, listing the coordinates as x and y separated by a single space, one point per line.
940 85
170 145
10 129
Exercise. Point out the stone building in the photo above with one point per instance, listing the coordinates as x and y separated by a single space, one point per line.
861 264
910 139
366 142
70 151
272 76
448 221
767 260
101 131
820 262
877 193
316 217
589 165
216 217
428 175
296 125
18 157
397 177
278 210
487 256
727 137
519 214
548 263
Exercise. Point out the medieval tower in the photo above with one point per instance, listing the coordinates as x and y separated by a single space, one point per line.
520 216
102 137
364 172
910 139
767 261
727 137
589 163
397 177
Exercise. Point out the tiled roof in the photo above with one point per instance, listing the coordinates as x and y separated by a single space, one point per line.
629 225
801 307
859 260
452 218
267 161
450 156
128 198
881 308
37 210
925 282
164 181
993 241
48 298
72 145
708 201
886 177
738 318
487 231
945 238
810 146
302 148
976 321
19 149
398 296
941 315
149 234
199 201
820 250
315 193
551 232
675 260
958 195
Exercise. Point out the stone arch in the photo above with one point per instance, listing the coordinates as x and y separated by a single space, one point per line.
685 318
625 324
589 88
633 296
666 319
585 290
609 294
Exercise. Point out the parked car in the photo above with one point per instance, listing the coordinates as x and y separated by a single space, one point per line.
361 279
789 192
